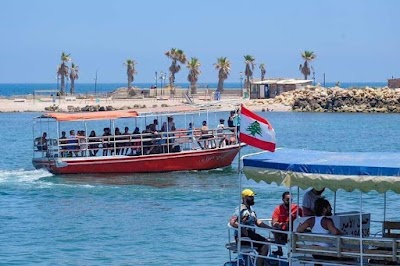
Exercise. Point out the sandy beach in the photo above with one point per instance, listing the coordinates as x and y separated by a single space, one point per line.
145 104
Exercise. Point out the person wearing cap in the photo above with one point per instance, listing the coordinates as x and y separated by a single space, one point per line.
248 217
309 201
220 133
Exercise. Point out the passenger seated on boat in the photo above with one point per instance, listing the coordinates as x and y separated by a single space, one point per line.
93 147
222 141
320 224
106 140
280 219
116 143
72 146
136 143
82 142
148 144
206 136
169 126
248 217
190 135
63 142
126 141
154 126
41 142
190 129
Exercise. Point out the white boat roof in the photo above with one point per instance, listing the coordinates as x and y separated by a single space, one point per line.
366 171
283 81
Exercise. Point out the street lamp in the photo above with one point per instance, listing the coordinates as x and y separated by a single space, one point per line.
241 81
95 84
313 76
162 78
156 83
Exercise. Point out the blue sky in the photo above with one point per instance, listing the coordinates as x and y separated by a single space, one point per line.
356 40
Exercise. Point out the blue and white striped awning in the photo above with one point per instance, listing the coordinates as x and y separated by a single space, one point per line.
365 171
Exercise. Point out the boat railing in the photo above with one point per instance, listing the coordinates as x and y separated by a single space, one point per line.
333 249
270 241
138 144
381 250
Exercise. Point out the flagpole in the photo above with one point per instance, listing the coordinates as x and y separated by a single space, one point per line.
240 191
240 144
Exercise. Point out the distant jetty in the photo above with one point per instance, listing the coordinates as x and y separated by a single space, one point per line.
355 100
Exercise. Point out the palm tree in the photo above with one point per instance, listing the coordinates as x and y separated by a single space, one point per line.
223 66
263 71
193 65
308 56
73 75
177 56
130 71
248 72
62 70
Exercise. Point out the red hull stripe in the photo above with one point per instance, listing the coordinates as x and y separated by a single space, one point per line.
257 142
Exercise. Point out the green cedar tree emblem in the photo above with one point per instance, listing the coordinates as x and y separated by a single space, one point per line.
254 128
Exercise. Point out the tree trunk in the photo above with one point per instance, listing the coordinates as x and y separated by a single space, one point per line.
171 80
62 92
72 89
220 87
193 88
247 83
129 83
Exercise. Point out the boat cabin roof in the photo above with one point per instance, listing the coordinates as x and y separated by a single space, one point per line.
91 115
107 115
365 171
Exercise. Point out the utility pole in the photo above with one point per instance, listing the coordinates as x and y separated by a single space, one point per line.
95 84
156 83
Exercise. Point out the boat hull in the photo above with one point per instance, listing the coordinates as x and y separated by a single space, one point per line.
165 162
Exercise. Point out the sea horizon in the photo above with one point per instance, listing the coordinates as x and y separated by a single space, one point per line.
15 89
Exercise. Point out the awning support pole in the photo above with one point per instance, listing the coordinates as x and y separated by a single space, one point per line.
361 231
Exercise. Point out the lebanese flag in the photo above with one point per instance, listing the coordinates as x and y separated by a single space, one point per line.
256 130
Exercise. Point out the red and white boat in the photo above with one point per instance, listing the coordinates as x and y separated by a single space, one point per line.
169 149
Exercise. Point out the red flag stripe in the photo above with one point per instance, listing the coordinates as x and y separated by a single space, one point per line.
248 113
270 146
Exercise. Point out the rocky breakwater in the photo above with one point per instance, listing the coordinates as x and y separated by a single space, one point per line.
365 100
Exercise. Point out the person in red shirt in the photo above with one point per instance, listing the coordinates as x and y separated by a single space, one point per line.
280 219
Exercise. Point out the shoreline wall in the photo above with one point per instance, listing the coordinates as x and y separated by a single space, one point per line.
319 99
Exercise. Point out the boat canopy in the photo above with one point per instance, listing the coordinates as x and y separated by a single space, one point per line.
366 171
144 112
91 115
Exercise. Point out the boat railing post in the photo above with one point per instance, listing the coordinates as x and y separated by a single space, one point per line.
86 140
168 141
141 143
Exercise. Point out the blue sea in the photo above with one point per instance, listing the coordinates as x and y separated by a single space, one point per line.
158 219
8 89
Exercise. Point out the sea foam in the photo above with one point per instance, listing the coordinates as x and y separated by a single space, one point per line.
21 175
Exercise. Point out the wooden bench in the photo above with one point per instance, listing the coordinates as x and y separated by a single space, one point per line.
380 250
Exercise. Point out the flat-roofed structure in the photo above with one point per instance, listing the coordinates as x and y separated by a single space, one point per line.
270 88
394 83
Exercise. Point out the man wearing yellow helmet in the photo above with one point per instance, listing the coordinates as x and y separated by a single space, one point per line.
248 217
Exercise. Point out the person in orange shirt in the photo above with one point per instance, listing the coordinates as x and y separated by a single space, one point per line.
280 219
